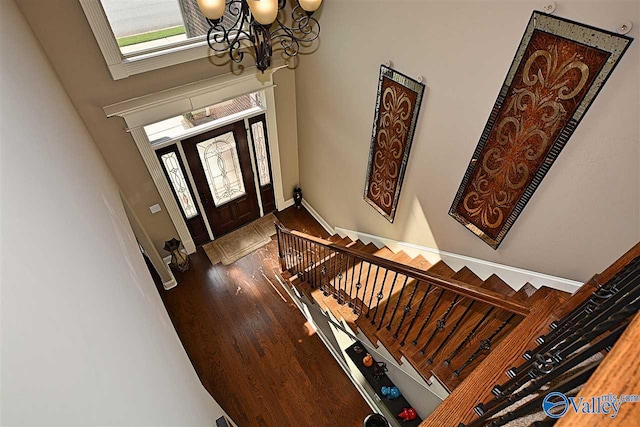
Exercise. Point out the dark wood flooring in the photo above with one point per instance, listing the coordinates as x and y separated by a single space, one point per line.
254 352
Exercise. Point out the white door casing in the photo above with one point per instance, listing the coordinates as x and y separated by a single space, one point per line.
152 108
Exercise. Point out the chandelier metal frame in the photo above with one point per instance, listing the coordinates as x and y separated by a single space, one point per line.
223 37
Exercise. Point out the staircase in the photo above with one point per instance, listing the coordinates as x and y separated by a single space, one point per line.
467 333
443 322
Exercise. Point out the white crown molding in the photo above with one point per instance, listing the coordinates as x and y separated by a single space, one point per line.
151 108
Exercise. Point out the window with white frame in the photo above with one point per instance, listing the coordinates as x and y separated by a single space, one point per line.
142 35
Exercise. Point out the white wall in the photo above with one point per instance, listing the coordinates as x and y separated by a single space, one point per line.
584 215
86 339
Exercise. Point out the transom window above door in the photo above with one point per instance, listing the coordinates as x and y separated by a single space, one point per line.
197 121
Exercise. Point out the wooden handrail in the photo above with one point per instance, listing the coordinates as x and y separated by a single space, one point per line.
477 293
607 274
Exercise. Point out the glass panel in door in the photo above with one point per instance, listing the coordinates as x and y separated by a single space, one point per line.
219 157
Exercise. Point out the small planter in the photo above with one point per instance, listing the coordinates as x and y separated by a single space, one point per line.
375 420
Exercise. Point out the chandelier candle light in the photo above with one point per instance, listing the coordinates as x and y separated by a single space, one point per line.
233 23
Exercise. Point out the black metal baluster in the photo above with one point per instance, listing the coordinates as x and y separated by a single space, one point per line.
395 309
364 291
315 261
305 260
466 340
406 309
426 321
323 272
285 247
334 256
594 326
312 267
309 263
441 323
609 308
451 332
346 278
386 306
379 296
373 291
340 276
278 242
300 246
547 370
337 275
619 284
285 240
485 344
597 326
415 316
294 256
351 297
566 386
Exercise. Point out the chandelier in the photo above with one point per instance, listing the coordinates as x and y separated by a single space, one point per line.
233 23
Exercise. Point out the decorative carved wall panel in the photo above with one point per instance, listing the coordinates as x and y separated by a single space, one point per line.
397 108
559 68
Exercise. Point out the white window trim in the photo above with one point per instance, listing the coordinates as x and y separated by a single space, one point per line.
148 109
122 67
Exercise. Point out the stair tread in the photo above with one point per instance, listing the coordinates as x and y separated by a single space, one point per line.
401 257
496 284
467 276
369 330
441 268
370 248
339 311
420 262
524 292
344 241
384 252
356 245
542 293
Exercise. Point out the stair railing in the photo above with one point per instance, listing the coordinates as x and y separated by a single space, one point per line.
366 283
569 354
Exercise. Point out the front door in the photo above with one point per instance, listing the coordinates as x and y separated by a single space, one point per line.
221 166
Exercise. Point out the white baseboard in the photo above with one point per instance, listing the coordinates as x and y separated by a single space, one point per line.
318 217
170 284
513 276
284 204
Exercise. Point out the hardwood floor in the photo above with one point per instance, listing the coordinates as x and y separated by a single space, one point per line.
254 352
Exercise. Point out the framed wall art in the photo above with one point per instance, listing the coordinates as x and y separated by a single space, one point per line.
397 107
558 70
